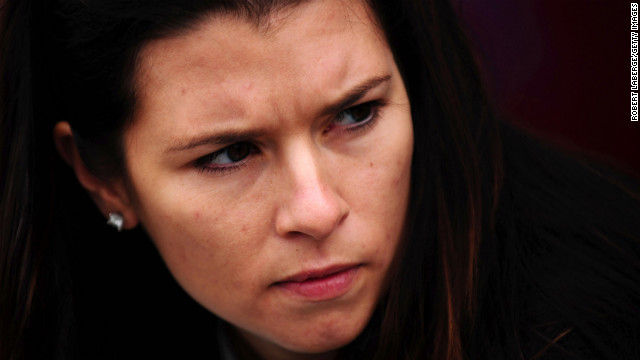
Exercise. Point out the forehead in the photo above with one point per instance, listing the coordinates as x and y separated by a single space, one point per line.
230 68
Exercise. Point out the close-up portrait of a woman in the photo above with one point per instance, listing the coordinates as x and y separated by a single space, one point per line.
319 179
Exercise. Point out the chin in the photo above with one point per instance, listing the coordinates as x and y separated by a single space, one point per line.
324 338
315 337
321 346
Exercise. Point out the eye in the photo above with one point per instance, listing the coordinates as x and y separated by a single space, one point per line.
356 114
356 118
227 158
231 154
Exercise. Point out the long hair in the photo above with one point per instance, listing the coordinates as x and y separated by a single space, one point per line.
29 258
75 61
456 175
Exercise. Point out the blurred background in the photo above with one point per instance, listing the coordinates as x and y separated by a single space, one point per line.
560 68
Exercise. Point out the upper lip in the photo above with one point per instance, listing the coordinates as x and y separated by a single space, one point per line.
317 273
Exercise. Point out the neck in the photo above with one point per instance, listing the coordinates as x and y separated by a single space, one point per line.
249 347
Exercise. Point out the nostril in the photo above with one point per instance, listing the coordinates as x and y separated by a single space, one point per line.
296 234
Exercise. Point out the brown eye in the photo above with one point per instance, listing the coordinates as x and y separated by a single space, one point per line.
229 155
355 114
238 152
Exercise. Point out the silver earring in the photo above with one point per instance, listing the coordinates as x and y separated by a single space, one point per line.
116 220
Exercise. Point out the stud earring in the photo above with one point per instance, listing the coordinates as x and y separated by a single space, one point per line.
116 220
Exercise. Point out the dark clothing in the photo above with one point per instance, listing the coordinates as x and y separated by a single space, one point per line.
569 235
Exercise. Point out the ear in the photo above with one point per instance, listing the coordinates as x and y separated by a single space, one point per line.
109 196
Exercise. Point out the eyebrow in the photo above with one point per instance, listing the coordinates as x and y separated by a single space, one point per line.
225 138
355 94
232 137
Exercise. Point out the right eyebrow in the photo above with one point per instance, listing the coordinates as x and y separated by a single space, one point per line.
355 94
224 138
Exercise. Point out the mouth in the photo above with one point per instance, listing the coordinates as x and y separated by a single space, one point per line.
320 284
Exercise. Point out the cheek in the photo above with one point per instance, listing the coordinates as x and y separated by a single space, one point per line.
208 243
385 179
380 186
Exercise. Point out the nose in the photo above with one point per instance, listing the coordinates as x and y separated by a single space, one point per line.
311 206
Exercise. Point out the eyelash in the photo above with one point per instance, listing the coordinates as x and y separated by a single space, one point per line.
202 163
362 126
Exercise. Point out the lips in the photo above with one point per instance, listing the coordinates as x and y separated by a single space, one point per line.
314 274
320 284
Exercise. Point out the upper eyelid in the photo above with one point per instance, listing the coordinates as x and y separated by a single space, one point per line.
224 140
375 104
199 162
376 109
349 99
227 140
357 94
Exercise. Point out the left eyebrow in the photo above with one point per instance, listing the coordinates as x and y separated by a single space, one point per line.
225 138
355 94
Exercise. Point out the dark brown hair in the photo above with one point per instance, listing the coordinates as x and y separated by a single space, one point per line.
75 60
90 49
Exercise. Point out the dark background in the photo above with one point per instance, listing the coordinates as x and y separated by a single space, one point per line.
560 68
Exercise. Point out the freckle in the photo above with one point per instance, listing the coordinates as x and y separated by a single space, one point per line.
370 164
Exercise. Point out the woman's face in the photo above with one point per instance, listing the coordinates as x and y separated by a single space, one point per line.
271 167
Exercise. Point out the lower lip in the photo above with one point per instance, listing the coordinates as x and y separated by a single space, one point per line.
324 288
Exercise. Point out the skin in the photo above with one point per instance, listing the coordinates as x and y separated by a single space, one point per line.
315 191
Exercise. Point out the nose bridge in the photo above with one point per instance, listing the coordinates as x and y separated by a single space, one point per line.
312 205
305 169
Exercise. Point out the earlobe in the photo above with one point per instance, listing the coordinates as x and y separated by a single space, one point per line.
110 196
